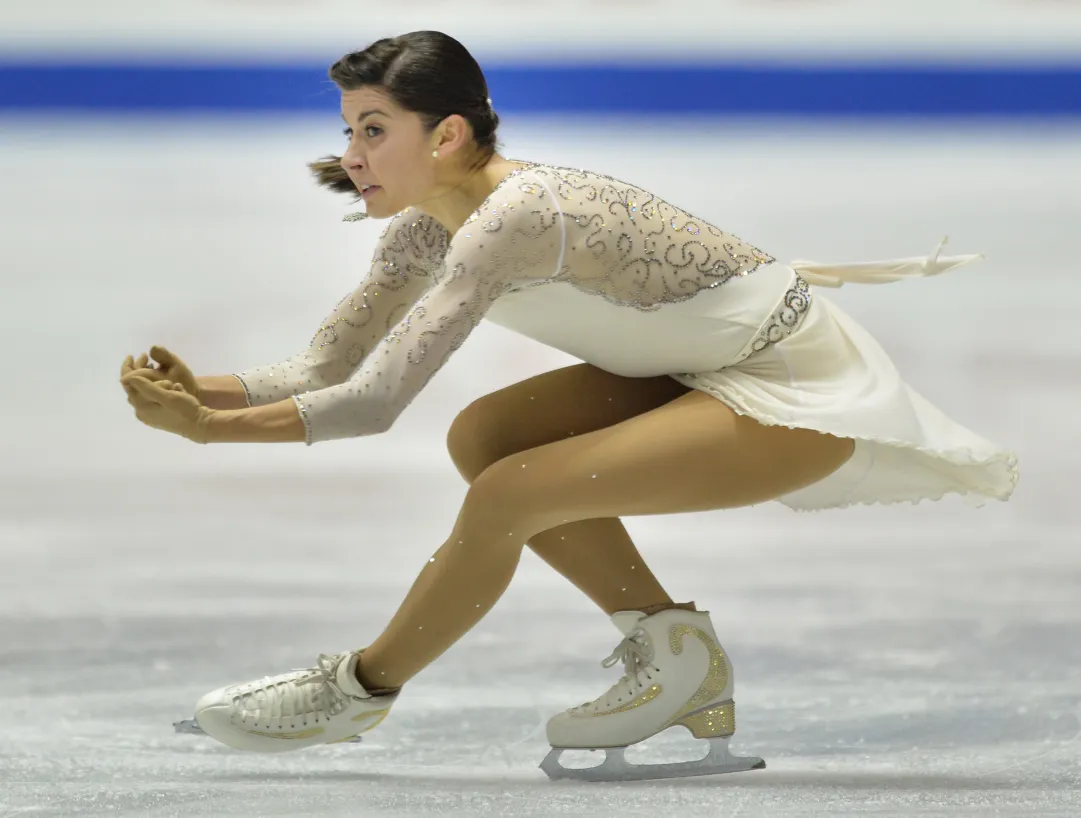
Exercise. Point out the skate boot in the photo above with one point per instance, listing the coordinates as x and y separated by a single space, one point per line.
321 705
676 674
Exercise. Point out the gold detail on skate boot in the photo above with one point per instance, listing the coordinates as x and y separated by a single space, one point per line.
713 722
648 695
382 714
716 676
302 734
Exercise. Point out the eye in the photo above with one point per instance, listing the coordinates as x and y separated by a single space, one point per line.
349 131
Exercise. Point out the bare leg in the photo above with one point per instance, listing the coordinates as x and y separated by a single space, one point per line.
596 555
691 454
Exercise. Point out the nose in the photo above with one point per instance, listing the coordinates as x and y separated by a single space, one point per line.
351 160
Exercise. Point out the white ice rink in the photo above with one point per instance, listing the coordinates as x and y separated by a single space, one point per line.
913 660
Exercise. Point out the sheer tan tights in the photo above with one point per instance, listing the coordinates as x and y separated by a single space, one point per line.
553 462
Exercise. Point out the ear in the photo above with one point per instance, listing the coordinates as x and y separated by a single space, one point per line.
454 133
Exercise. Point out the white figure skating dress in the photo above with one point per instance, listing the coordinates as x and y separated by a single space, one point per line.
611 274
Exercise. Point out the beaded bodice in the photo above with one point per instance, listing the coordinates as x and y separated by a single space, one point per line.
547 238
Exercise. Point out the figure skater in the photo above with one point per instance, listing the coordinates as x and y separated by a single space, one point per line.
714 377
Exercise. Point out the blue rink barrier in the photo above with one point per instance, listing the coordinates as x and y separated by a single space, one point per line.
896 90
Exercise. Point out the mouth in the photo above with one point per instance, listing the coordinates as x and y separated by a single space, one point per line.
368 190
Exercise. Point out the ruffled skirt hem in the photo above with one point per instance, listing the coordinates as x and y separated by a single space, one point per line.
831 376
885 470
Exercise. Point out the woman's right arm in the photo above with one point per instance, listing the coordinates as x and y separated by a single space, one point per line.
409 251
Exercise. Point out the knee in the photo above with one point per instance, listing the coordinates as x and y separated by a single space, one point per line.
471 440
507 497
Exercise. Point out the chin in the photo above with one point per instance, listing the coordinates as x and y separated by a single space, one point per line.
380 210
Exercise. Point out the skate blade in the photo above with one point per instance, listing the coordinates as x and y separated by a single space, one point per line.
615 766
191 727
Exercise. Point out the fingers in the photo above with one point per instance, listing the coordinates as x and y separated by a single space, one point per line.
140 387
138 398
163 356
155 375
126 369
161 392
130 365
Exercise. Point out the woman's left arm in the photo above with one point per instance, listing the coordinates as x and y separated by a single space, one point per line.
278 422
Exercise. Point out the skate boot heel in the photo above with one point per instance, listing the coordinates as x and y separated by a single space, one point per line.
718 721
676 672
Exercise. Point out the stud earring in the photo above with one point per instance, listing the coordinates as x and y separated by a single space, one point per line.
435 154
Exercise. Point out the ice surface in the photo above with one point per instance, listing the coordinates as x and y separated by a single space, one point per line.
890 661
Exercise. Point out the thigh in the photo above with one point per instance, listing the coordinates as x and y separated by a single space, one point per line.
564 403
691 454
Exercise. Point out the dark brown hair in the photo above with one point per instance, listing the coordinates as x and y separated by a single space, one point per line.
426 72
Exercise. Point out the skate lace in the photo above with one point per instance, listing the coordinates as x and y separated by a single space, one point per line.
311 696
635 652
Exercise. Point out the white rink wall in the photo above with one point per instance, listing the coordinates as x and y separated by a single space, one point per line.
832 29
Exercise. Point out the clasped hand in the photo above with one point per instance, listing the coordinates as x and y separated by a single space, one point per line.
165 396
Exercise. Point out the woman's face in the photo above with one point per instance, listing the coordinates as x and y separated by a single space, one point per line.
388 149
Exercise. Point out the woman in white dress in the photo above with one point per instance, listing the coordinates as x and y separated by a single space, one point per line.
713 377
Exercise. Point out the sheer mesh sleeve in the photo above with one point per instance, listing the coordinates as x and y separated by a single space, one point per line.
510 241
408 252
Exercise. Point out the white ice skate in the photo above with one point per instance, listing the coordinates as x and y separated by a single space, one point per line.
676 674
321 705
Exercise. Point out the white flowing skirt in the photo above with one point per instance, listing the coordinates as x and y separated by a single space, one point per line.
831 375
